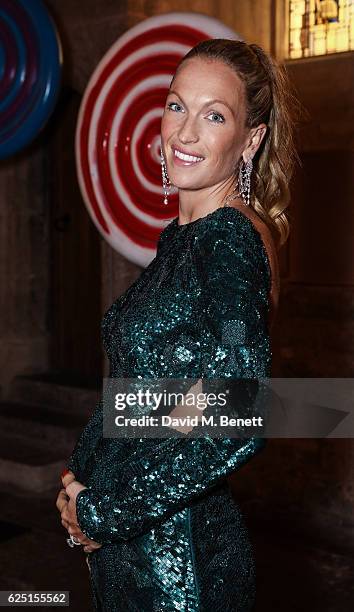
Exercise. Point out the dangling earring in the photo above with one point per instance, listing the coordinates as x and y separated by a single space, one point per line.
244 179
166 185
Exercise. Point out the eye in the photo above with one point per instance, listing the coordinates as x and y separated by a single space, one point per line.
169 106
221 118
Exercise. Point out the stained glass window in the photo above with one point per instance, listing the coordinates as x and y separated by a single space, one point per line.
318 27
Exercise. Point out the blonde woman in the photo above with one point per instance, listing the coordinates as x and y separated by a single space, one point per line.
155 516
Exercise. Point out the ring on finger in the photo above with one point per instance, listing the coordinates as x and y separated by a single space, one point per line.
72 541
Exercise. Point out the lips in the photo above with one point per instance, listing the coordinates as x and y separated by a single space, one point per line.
192 153
185 159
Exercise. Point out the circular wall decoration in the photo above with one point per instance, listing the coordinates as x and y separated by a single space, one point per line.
118 130
30 72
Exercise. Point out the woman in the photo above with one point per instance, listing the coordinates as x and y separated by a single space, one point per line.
155 516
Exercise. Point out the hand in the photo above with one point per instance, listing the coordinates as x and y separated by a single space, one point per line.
67 507
68 514
62 497
72 490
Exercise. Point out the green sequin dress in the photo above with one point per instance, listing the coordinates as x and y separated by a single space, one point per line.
173 537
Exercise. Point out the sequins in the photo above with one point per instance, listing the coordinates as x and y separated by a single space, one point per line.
173 537
234 332
183 354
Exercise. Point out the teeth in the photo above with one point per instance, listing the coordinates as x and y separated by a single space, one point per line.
188 158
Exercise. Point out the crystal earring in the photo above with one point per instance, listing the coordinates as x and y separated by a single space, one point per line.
244 179
166 185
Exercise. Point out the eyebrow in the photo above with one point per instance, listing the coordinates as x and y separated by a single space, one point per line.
208 103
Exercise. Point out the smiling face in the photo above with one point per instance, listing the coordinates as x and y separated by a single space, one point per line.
204 117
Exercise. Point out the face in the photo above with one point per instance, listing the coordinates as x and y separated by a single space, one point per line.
204 117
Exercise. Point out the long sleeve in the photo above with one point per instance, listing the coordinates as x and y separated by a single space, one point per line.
234 343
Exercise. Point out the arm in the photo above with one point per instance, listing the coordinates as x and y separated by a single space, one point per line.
173 473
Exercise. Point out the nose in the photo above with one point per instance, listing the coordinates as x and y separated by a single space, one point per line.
188 131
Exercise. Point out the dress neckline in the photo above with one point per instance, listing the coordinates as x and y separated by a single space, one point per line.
207 216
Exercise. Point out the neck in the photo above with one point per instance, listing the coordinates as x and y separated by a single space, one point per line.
194 204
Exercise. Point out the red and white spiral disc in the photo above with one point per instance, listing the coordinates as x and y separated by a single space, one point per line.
118 131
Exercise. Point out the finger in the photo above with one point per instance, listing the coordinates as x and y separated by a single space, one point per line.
74 530
74 488
61 500
68 478
84 539
65 523
78 536
77 533
66 516
92 547
69 514
94 544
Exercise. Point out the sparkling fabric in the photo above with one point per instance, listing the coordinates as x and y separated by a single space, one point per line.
173 538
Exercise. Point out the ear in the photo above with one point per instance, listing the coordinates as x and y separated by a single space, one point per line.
255 138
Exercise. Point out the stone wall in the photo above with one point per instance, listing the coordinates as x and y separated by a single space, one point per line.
24 264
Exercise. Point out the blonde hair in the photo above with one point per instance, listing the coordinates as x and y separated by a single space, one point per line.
269 100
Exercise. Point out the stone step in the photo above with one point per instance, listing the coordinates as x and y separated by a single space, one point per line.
41 418
55 429
53 394
29 465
